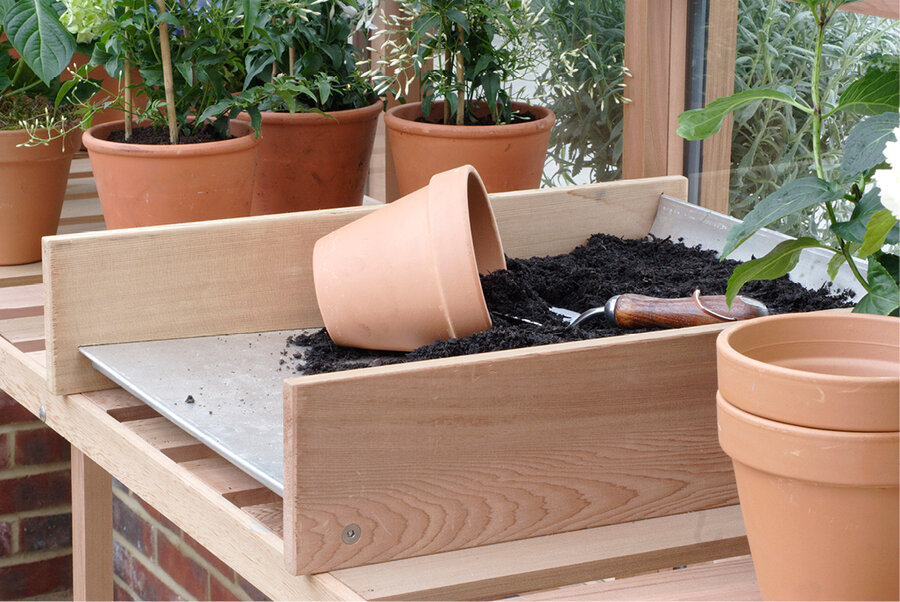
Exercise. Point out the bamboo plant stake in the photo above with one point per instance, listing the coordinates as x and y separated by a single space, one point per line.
460 81
291 52
166 57
128 100
448 64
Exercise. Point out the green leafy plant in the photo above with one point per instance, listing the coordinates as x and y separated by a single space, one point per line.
464 52
876 97
300 57
31 92
772 142
190 55
584 85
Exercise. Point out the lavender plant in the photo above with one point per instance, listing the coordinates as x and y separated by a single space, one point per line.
875 97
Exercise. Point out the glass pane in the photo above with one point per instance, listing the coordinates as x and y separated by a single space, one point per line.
581 79
772 144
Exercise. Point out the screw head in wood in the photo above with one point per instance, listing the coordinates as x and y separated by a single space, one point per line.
42 414
351 533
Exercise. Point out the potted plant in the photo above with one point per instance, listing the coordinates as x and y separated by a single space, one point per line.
33 176
319 114
465 55
807 405
186 159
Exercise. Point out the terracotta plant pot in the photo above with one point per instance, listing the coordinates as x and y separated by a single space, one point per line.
150 185
313 161
407 274
508 157
32 189
820 503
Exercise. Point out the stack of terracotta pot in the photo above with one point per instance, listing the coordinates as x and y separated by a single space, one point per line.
808 411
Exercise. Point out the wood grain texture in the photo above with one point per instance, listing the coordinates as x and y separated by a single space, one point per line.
641 311
730 579
554 560
92 530
461 452
255 274
169 439
880 8
234 536
721 53
646 117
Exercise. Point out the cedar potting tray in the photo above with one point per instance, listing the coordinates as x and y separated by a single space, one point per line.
226 390
398 461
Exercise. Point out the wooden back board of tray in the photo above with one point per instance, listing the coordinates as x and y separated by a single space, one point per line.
433 456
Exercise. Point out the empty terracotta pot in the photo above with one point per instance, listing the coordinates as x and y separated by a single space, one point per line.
313 160
407 274
32 189
508 157
820 504
150 185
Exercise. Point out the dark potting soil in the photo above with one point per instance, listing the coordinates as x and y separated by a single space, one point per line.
605 266
160 135
474 120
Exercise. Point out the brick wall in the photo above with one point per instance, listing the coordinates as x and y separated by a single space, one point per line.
35 507
152 558
155 560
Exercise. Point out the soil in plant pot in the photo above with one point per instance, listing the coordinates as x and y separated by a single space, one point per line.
470 119
605 266
158 134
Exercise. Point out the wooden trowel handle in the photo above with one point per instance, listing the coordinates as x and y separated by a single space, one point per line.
640 311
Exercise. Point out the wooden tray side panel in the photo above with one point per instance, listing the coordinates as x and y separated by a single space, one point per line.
463 452
251 275
533 223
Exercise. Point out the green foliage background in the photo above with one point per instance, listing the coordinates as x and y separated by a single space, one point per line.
584 84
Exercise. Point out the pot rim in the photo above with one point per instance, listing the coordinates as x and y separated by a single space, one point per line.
93 140
398 118
789 450
727 351
343 116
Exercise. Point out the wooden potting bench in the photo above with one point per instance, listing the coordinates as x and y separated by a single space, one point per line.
241 522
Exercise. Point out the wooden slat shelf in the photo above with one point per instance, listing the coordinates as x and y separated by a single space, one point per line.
243 523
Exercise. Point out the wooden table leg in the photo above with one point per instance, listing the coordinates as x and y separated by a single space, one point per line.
91 529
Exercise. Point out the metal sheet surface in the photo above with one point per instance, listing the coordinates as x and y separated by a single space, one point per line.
236 382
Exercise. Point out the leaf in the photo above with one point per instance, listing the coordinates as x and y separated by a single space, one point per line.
794 196
699 124
34 30
864 146
775 264
891 263
837 260
251 12
875 92
883 296
459 18
855 229
483 61
422 25
215 110
877 230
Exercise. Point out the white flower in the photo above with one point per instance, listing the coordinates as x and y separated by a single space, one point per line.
86 18
888 180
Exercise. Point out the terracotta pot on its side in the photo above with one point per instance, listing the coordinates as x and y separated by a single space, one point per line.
407 274
313 161
508 157
32 189
150 185
808 412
